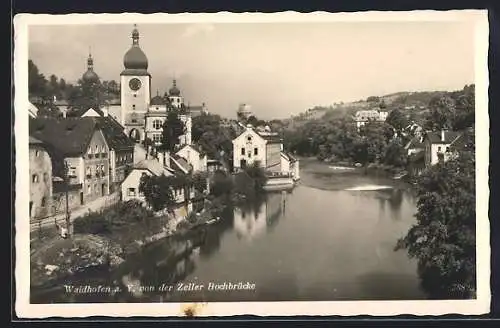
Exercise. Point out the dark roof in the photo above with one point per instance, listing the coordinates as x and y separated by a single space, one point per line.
182 161
158 101
69 136
464 141
414 143
113 132
435 136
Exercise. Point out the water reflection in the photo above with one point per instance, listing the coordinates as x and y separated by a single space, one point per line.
308 244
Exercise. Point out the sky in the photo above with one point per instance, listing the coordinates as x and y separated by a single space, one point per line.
279 69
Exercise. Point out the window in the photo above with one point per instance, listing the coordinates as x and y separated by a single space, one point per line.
103 172
134 120
34 178
439 148
103 149
249 138
97 173
156 137
45 177
256 151
242 151
131 191
88 172
447 149
89 189
135 95
37 153
157 108
96 149
133 107
157 124
43 202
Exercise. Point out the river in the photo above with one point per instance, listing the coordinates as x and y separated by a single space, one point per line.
330 238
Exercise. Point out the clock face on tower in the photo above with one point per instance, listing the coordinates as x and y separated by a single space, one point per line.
135 84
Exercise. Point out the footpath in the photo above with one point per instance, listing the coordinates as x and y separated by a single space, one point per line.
98 204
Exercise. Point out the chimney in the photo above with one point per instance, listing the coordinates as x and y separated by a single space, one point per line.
64 112
442 134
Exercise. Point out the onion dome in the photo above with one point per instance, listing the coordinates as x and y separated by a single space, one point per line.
135 58
174 91
157 100
90 75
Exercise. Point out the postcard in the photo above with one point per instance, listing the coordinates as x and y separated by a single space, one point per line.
173 165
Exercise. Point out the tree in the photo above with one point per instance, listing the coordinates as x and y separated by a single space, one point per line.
173 129
397 119
443 239
257 173
395 154
157 191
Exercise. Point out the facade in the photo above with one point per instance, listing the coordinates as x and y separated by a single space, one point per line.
81 146
249 147
40 170
195 157
437 146
290 165
157 115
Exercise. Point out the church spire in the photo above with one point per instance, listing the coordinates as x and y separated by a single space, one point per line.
135 36
90 61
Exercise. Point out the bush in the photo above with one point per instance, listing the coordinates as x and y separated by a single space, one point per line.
92 223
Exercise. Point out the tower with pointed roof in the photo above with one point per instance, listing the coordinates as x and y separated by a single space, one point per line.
90 76
135 89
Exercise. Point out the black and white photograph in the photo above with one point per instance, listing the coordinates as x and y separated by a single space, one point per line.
223 164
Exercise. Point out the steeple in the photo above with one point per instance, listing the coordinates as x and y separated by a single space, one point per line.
135 36
90 75
90 61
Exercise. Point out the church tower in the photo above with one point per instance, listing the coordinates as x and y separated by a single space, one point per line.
174 95
135 89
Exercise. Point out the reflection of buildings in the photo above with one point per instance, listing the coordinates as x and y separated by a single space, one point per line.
251 221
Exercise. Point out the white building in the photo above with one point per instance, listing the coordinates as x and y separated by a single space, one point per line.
195 157
290 165
364 116
437 146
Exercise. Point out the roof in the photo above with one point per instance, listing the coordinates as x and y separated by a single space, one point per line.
463 141
414 143
416 157
69 136
179 164
435 137
113 132
34 141
152 165
271 138
136 72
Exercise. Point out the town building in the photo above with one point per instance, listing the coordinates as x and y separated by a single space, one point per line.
121 147
157 113
364 116
194 156
40 170
82 158
155 167
264 147
437 146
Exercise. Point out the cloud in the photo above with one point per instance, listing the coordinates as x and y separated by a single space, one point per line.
196 29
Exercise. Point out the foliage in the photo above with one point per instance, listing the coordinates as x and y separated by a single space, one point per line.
157 191
215 139
93 223
395 154
221 184
82 95
443 239
173 129
397 120
257 174
200 181
454 111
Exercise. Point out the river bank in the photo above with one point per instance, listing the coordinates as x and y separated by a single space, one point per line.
104 240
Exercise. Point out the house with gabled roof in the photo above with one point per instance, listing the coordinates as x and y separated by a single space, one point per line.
437 146
195 156
79 145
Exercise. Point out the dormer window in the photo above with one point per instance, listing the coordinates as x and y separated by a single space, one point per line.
249 138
